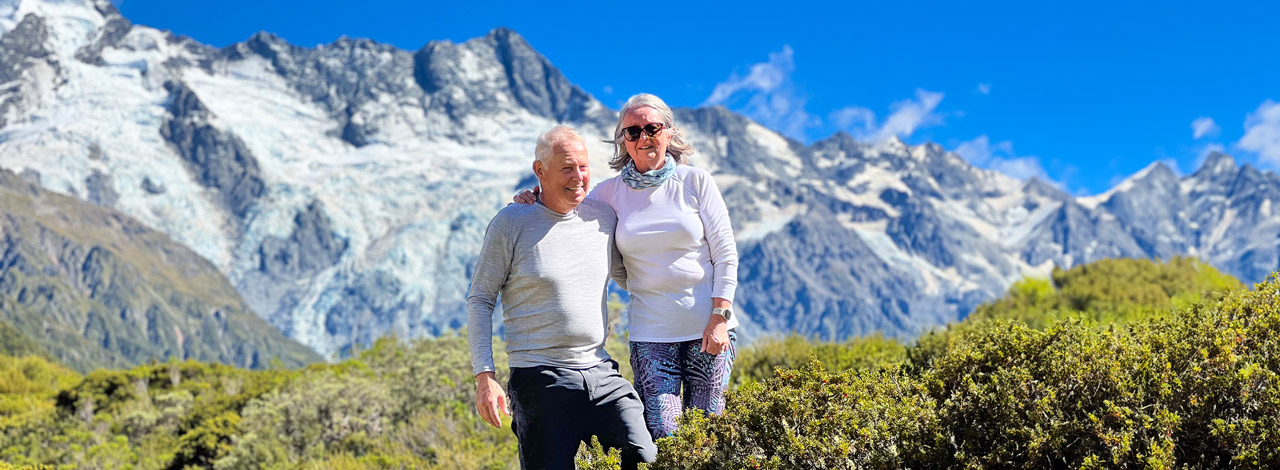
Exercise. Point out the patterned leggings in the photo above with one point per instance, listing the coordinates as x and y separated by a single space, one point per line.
662 369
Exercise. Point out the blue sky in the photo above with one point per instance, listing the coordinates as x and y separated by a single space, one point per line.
1081 93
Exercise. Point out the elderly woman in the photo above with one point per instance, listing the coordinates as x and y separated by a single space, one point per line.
682 265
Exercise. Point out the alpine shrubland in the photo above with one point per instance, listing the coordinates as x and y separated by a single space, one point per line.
1120 363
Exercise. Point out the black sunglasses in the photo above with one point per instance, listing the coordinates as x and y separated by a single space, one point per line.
651 129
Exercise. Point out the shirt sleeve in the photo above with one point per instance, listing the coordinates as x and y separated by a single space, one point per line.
719 233
617 270
490 274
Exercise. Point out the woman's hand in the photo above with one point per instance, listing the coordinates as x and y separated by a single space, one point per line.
715 338
526 196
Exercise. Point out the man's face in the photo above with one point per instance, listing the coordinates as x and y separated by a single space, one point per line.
564 177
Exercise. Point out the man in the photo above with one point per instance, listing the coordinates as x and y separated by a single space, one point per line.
552 262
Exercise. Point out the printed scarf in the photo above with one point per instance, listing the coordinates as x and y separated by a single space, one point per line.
637 180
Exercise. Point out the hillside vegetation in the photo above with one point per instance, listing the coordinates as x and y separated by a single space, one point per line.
1077 371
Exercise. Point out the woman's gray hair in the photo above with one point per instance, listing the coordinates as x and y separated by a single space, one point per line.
542 151
676 147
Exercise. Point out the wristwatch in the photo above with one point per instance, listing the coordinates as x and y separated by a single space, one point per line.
724 312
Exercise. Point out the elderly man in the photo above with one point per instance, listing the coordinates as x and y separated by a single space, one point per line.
552 262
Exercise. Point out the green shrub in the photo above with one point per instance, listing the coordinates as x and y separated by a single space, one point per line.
1198 388
814 419
758 361
28 386
1109 291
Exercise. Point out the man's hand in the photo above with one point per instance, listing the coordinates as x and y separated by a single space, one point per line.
526 196
490 399
715 338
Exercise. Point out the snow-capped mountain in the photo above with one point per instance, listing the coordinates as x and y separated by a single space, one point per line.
344 189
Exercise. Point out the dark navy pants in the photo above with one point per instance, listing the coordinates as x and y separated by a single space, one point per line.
556 408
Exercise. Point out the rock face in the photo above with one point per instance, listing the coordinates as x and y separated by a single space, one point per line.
217 160
344 189
96 288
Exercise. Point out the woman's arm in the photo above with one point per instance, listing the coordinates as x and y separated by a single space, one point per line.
719 234
724 260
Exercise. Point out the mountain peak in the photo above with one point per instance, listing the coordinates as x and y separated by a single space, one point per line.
1039 187
1216 163
525 75
1156 173
893 145
265 37
503 33
1160 171
506 39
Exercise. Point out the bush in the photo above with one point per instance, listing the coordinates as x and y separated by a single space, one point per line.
758 361
814 419
1110 291
28 386
1198 388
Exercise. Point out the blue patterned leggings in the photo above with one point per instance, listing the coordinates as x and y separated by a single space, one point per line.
662 369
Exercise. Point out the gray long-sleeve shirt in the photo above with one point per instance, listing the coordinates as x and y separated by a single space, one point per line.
553 273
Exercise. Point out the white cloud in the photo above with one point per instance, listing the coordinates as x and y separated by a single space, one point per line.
909 115
984 88
768 95
1262 134
856 120
980 152
905 117
1203 126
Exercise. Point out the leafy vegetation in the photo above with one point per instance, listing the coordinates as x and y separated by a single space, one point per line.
1121 363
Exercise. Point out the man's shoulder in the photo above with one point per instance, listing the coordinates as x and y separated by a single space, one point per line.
515 211
510 215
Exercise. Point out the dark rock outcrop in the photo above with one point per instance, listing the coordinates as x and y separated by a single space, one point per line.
20 48
218 160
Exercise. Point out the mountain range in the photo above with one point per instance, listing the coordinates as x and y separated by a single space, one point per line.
343 190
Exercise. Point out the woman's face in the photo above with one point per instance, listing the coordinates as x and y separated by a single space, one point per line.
649 152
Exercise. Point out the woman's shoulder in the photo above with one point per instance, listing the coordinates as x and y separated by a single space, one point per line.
604 188
692 175
610 181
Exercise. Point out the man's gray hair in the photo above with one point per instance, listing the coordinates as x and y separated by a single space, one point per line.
676 147
548 140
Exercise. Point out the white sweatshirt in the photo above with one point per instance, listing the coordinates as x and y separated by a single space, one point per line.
678 247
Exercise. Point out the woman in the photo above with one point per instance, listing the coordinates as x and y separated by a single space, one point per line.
682 265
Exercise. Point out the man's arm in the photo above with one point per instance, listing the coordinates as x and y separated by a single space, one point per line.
490 274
